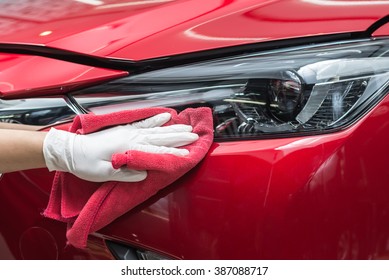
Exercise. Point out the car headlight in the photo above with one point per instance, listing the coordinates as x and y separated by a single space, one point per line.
304 90
37 111
286 92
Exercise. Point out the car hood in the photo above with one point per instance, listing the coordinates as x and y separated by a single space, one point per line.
146 29
153 28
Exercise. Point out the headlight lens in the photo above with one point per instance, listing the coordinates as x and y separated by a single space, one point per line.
36 111
305 90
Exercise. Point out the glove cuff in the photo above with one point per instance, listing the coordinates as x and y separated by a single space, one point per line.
58 150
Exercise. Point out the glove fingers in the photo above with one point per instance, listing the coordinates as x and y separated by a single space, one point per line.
154 121
171 139
159 150
103 171
124 174
167 129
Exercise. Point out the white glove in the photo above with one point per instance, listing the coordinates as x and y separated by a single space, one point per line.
89 156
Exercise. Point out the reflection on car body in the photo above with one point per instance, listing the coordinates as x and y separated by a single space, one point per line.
300 103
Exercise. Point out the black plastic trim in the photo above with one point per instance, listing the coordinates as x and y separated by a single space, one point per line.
375 26
69 56
146 65
180 59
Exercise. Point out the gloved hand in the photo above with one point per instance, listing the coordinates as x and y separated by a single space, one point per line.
89 156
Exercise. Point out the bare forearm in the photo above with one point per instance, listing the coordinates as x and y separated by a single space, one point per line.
21 150
17 126
89 156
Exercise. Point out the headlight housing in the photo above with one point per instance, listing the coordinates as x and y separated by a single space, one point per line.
294 91
37 112
287 92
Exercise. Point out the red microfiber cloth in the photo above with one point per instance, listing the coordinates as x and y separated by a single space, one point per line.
89 206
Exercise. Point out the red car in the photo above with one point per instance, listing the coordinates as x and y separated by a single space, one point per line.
298 90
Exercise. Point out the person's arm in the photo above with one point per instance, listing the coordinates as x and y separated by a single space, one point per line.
17 126
89 156
21 149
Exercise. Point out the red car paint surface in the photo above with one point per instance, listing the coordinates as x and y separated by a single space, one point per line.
320 197
147 29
